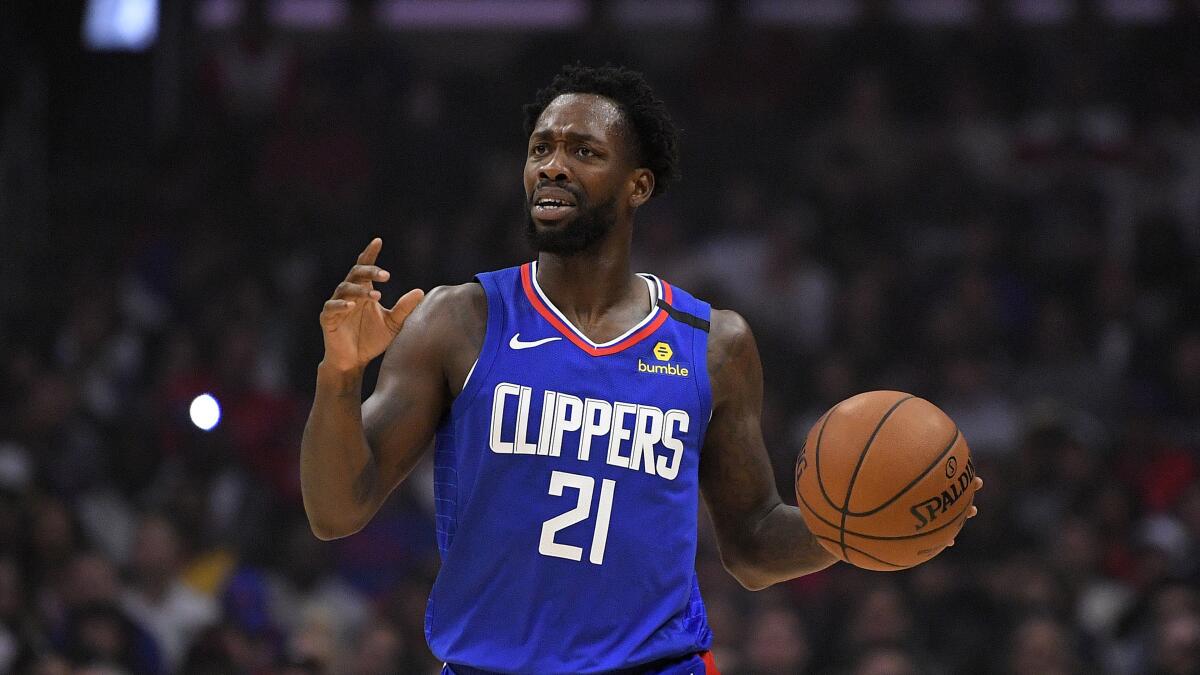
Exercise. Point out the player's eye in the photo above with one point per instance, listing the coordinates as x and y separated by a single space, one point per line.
538 149
584 151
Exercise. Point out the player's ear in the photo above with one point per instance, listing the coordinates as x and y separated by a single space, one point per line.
643 187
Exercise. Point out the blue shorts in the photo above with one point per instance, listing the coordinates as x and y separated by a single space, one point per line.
695 664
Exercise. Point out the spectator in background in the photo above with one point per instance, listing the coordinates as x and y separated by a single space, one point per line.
54 539
158 597
248 617
1185 383
953 617
16 629
1176 645
83 620
1154 632
1042 646
251 78
776 642
218 650
90 578
317 160
51 664
887 661
975 400
100 635
306 592
881 616
1187 510
379 651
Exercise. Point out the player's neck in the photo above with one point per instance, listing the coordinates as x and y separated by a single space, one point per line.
590 284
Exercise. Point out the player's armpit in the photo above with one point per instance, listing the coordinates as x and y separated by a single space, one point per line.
422 371
762 541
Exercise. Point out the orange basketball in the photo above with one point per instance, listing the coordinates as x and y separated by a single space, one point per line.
884 480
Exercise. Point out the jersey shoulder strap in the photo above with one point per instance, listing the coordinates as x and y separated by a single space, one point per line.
687 309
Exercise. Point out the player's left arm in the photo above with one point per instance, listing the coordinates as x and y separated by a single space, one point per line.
762 540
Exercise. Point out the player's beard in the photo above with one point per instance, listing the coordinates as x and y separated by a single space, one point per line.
589 226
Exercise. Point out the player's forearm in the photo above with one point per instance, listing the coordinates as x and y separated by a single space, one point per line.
778 548
338 472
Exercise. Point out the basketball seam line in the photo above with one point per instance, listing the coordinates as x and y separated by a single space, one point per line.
862 457
931 467
817 456
877 537
864 553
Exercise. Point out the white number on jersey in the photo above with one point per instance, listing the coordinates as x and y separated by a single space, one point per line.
583 508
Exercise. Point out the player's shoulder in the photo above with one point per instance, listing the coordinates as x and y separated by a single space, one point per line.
468 297
453 309
728 330
733 362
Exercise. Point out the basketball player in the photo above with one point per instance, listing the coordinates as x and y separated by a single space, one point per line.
577 409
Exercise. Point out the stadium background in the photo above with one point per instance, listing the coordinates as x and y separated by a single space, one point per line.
995 205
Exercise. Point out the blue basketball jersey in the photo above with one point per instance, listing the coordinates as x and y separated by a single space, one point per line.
566 483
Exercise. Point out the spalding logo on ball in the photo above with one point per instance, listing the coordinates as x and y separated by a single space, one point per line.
885 480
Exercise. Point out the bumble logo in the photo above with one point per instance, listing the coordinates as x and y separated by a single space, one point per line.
662 352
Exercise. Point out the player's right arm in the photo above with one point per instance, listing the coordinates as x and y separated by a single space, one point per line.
354 453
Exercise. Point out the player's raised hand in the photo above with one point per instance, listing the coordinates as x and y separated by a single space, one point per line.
355 326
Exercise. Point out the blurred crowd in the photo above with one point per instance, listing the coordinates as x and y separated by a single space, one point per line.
1001 218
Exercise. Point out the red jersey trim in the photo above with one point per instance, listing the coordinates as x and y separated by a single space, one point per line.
645 332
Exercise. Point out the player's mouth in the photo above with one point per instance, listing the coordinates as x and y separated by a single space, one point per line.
552 204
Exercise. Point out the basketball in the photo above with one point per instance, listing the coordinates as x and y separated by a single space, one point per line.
884 480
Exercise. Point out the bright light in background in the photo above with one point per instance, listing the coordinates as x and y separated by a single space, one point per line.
205 412
120 24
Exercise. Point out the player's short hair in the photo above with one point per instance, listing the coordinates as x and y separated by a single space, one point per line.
655 135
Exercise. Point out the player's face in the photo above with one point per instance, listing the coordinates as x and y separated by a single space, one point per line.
578 170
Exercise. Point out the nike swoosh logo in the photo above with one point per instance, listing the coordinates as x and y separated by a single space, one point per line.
516 342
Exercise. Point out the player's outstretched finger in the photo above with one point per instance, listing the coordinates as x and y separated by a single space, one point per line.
367 274
338 305
403 307
352 291
972 512
368 255
978 483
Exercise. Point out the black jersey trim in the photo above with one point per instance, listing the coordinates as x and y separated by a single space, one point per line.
683 317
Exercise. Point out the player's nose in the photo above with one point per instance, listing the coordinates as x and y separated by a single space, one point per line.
554 167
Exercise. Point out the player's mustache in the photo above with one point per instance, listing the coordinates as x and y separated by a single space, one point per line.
580 198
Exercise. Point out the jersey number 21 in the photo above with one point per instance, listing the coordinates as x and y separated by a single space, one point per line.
583 508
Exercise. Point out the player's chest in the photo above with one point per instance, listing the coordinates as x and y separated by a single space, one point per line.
658 372
638 409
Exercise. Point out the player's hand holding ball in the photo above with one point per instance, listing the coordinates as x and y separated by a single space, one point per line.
356 327
885 480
